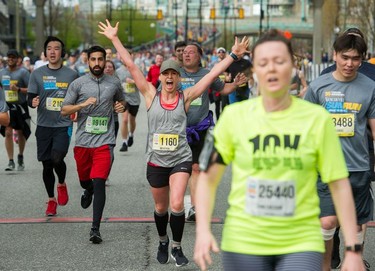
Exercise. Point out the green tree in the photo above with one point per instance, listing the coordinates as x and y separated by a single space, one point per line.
68 28
361 13
134 29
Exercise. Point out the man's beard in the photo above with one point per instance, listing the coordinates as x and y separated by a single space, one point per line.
97 72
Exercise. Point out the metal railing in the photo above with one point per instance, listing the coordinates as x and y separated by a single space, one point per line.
312 71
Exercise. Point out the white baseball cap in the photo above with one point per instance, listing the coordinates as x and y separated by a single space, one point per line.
220 49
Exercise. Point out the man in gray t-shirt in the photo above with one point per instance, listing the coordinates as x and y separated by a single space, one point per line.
94 97
350 98
14 81
133 100
46 92
199 117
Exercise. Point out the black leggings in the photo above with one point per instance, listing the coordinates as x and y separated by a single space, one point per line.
306 261
49 177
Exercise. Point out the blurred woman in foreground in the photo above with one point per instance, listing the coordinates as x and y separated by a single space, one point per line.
276 144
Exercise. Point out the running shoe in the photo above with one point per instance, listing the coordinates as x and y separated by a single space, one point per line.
21 164
124 147
163 254
11 166
179 257
95 236
86 199
62 195
130 141
191 215
51 208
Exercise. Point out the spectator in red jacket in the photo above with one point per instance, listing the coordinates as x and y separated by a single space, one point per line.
154 71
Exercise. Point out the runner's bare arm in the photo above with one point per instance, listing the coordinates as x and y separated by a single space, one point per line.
72 108
205 200
146 88
238 50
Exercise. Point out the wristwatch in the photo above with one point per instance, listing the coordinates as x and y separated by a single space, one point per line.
354 248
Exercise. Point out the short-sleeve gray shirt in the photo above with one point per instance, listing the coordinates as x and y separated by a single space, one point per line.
51 86
107 90
347 101
19 77
131 91
199 108
3 104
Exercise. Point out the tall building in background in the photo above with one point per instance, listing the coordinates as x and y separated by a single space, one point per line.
88 6
12 33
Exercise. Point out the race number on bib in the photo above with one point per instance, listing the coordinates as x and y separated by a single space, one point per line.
165 142
128 87
270 197
54 104
344 124
11 96
96 125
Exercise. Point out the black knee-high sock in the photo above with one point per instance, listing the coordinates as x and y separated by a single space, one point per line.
49 178
99 202
336 244
161 221
177 224
88 185
60 169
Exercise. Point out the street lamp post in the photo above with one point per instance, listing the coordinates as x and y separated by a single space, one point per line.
200 19
235 19
226 10
130 37
18 29
268 15
260 17
214 30
175 20
213 17
187 21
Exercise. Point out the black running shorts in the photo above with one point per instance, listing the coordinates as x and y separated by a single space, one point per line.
52 139
159 176
362 192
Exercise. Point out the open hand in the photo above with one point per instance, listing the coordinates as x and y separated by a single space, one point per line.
239 49
240 79
108 30
204 244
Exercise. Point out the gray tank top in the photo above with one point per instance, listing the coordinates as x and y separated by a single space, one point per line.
166 143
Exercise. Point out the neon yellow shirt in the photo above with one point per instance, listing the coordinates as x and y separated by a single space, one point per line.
273 202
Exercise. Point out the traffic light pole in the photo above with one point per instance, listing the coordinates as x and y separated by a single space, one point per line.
261 18
187 21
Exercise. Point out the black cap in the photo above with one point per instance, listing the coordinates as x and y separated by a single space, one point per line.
13 52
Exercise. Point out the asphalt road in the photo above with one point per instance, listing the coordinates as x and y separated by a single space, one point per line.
30 241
